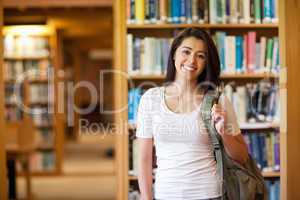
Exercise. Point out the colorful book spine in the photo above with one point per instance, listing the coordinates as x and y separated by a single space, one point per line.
251 52
182 11
239 54
257 11
140 11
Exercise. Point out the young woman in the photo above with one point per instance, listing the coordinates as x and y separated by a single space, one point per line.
169 117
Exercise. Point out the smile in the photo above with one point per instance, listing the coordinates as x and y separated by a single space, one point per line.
189 68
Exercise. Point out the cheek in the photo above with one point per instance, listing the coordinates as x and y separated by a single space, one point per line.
201 66
178 61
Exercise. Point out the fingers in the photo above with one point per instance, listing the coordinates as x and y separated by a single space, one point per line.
218 113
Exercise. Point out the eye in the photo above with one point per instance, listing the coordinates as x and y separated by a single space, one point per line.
186 52
202 56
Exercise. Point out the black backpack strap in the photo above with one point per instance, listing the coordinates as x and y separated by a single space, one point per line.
208 101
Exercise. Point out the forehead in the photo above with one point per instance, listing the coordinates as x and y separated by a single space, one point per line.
193 43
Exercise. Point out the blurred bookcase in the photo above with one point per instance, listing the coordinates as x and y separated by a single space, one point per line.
31 63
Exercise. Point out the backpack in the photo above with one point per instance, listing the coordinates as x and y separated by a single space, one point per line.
239 182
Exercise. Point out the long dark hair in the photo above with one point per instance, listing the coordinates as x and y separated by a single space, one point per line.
211 73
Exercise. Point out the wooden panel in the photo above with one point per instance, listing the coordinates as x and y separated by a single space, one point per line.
3 179
75 22
56 42
290 51
120 98
55 3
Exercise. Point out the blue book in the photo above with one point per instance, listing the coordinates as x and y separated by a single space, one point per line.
272 192
175 11
188 11
255 147
130 106
136 101
272 8
152 10
263 152
239 53
267 11
182 11
277 190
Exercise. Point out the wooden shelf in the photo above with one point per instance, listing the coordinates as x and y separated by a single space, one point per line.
132 178
11 104
223 76
44 126
261 125
45 147
38 81
248 76
57 4
26 57
41 173
40 103
271 174
208 26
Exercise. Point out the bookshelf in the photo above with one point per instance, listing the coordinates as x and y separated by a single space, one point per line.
30 74
289 51
3 179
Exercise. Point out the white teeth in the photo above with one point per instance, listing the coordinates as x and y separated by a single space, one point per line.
189 68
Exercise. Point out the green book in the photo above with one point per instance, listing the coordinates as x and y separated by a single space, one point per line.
257 11
269 54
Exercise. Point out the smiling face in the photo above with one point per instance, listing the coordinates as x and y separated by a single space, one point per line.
190 59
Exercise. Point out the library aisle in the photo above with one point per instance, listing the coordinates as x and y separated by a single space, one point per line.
88 173
55 47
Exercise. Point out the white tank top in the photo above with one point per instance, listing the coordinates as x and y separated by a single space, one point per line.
186 167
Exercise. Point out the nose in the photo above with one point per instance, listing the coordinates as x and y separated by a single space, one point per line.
192 59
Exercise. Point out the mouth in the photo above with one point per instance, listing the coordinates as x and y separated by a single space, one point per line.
189 68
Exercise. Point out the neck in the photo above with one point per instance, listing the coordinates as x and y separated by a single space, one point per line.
185 86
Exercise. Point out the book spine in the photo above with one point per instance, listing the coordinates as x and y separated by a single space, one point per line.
163 11
277 153
147 11
233 11
274 54
139 11
246 12
257 11
212 11
195 15
188 11
269 54
239 54
257 57
182 11
267 11
251 51
152 11
230 54
263 41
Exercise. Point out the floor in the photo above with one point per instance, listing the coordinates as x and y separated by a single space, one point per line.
88 173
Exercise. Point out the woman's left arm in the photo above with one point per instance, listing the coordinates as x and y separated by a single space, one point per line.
236 147
227 126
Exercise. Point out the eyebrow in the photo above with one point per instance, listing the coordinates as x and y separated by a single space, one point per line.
191 49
